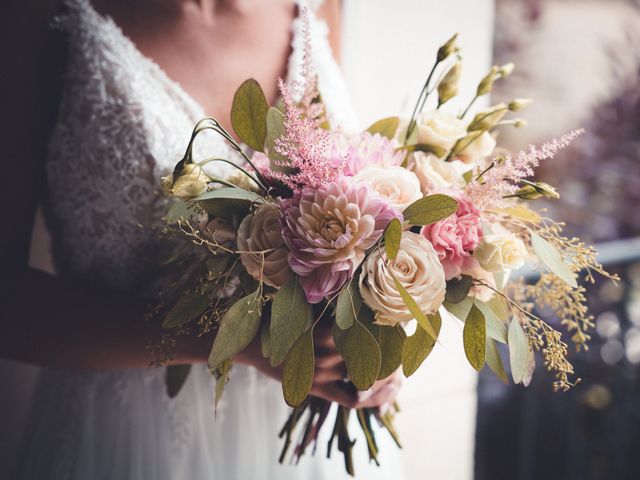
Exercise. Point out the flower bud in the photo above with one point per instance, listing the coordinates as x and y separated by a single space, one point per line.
487 119
447 49
448 87
533 191
187 183
519 123
506 69
519 104
486 84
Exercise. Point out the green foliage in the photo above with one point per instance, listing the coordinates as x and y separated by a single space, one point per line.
187 308
249 114
520 352
387 127
361 354
222 377
298 371
458 289
391 342
291 315
237 328
413 307
552 259
228 202
496 315
423 147
494 361
392 238
175 377
430 209
348 305
474 336
418 346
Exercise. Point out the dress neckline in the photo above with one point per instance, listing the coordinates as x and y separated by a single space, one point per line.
193 105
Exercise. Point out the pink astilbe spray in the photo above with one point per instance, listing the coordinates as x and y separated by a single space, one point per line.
309 160
502 179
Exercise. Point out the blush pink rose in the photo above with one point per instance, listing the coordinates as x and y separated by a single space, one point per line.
456 237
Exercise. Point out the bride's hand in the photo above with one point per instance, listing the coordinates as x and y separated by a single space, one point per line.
330 375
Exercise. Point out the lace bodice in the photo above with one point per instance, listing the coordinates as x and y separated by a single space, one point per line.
123 123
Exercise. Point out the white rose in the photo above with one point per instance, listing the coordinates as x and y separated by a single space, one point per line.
439 129
499 252
418 270
480 147
434 173
261 231
397 185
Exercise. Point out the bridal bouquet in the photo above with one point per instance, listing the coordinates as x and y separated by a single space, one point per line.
378 234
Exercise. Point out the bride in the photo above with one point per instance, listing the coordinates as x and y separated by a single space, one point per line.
92 124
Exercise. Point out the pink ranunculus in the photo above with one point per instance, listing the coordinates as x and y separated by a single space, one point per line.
328 232
455 237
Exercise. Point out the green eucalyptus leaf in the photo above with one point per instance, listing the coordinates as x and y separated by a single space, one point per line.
552 259
391 341
430 209
291 315
348 305
361 354
238 328
249 114
392 238
461 309
474 336
413 307
265 339
222 377
175 377
494 361
187 308
299 369
228 202
520 352
458 289
496 327
386 127
178 210
418 346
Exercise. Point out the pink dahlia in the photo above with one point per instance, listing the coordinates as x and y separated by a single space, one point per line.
328 232
456 237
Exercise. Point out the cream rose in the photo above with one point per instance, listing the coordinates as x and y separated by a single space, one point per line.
261 231
416 267
434 173
499 252
397 185
439 129
478 148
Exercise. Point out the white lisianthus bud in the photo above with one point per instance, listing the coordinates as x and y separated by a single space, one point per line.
486 84
500 252
240 179
519 123
477 147
396 185
447 49
418 270
188 183
486 119
436 174
263 252
439 129
448 87
519 104
506 69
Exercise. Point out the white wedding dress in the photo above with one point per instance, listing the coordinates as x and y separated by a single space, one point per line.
122 124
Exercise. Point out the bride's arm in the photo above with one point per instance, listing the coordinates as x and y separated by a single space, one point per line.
43 319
